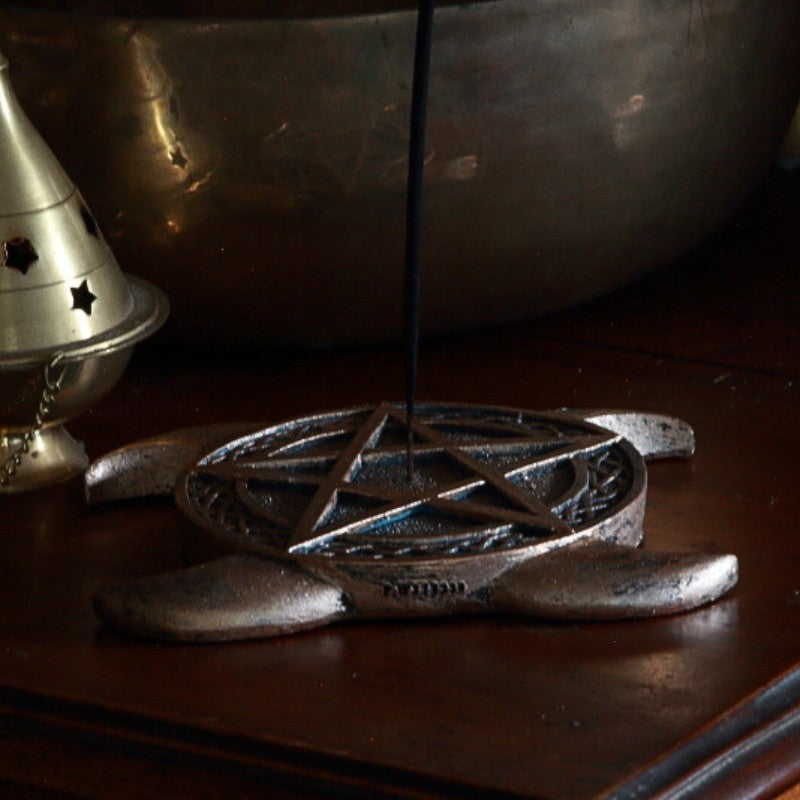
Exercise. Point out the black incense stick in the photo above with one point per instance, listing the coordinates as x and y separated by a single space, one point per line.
416 166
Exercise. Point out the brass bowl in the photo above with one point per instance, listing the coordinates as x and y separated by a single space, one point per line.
254 166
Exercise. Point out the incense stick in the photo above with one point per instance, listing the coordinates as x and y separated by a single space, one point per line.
416 166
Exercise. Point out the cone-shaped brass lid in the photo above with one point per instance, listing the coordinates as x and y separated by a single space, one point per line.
60 286
30 176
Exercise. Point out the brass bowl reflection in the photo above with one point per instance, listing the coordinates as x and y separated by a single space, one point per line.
254 167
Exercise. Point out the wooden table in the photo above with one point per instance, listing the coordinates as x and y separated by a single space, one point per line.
465 707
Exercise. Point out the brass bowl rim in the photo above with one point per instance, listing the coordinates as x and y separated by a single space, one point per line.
222 10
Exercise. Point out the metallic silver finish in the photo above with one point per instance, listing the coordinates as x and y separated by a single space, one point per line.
60 286
251 160
151 467
61 294
597 580
31 177
235 597
509 510
39 458
653 435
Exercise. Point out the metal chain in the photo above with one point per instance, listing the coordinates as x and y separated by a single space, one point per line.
54 371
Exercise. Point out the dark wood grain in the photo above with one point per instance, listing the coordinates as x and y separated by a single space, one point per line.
461 707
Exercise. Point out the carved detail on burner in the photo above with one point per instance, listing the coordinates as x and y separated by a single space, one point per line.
82 298
336 486
19 254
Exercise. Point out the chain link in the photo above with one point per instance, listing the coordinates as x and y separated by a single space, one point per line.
54 371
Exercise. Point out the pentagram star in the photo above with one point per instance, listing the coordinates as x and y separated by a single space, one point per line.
467 487
82 298
19 254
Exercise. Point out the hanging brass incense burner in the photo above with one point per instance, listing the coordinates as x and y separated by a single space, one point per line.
68 316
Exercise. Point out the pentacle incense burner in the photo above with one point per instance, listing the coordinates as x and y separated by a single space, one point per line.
536 513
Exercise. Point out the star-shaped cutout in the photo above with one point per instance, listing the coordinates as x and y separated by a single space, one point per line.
89 222
177 158
19 254
471 492
82 299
